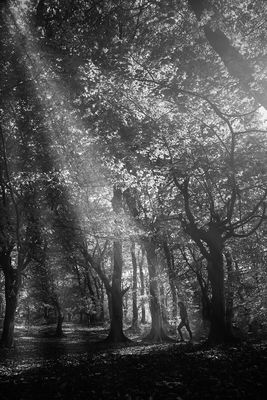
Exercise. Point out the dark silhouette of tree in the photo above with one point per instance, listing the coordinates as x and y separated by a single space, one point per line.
235 62
116 324
134 288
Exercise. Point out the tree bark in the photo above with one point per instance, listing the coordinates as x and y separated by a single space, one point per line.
60 318
171 275
142 287
134 291
12 284
157 332
164 307
116 334
218 330
230 292
205 300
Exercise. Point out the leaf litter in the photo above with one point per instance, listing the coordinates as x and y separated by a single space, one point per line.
79 368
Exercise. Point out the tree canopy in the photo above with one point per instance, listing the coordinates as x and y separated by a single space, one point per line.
131 128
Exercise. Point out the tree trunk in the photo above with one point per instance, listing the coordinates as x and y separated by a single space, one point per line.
92 294
102 310
134 291
142 287
205 300
99 316
163 305
11 295
60 318
116 334
171 275
218 329
230 292
157 332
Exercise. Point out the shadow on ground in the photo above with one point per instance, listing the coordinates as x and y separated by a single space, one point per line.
77 366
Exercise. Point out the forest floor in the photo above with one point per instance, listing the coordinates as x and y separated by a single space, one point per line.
80 367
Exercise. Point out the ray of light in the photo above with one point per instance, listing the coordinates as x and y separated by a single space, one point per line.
67 134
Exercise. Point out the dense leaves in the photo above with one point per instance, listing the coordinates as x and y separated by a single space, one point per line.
159 101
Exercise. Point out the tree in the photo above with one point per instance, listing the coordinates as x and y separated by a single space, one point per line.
20 200
223 222
170 126
116 325
235 62
134 289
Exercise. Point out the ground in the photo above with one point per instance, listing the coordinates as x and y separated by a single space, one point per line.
78 366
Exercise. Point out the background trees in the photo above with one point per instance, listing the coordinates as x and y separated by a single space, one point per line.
141 97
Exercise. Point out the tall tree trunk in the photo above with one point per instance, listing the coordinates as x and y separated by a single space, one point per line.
218 329
116 334
60 318
92 295
12 284
142 287
157 332
99 300
230 292
163 305
11 297
101 317
134 291
205 300
171 275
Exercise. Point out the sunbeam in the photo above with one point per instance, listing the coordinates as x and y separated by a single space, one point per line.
66 131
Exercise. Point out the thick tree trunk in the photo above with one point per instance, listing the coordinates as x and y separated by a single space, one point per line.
134 291
218 329
11 295
116 334
205 300
60 318
157 332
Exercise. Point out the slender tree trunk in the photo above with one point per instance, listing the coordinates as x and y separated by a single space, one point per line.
157 332
12 283
60 318
134 291
92 296
163 304
142 287
102 310
109 297
171 275
230 292
116 334
99 300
